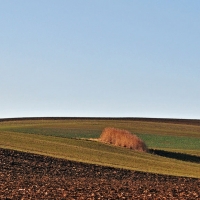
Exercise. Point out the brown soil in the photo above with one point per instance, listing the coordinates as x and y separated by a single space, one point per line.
30 176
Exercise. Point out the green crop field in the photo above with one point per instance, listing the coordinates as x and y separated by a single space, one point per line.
70 139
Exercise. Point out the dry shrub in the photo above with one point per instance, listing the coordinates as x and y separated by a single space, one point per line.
122 138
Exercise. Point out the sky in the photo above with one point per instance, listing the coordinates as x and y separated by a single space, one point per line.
116 58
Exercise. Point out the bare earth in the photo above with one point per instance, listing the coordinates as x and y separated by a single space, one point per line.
30 176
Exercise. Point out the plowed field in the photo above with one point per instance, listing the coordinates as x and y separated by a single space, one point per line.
30 176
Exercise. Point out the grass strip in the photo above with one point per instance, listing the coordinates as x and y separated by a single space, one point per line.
97 153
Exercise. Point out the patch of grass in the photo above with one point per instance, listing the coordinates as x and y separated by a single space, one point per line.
57 132
170 142
97 153
155 135
136 127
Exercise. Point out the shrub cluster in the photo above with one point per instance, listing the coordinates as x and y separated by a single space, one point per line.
122 138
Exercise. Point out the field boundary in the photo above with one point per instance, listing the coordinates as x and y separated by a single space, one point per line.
161 120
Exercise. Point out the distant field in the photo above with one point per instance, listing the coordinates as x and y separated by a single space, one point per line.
64 138
155 134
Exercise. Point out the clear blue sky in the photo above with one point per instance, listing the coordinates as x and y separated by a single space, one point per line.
115 58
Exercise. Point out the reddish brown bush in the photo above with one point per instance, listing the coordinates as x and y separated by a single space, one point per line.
122 138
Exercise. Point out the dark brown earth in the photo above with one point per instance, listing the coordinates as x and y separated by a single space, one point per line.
30 176
195 122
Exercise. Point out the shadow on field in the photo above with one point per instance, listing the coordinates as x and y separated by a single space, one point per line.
178 156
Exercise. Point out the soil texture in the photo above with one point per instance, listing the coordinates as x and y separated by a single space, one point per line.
30 176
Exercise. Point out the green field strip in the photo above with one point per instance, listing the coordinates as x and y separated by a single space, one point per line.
152 140
137 127
97 153
170 142
58 132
